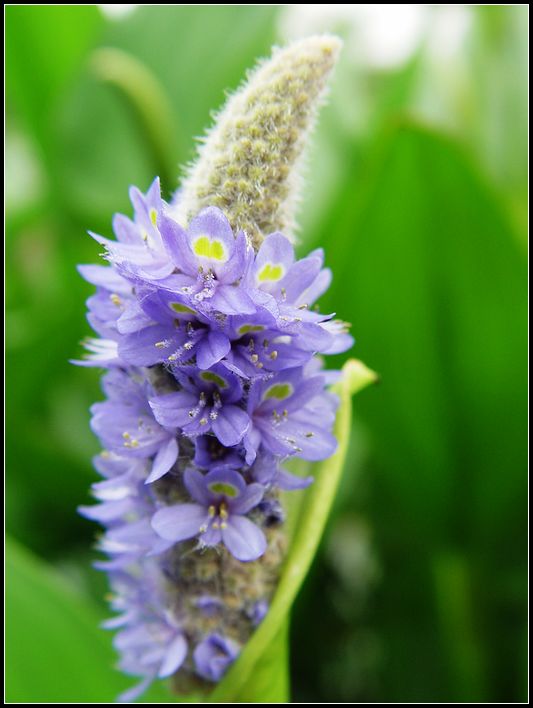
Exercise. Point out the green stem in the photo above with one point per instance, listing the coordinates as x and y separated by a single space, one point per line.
147 102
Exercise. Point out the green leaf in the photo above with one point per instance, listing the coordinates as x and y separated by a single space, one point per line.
260 673
195 53
437 292
44 46
55 651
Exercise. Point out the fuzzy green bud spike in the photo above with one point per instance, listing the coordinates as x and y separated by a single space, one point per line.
248 163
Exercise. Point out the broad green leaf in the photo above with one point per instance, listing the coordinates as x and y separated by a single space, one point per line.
44 46
437 294
55 651
259 675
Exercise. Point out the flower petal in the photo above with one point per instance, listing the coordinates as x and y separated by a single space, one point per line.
196 486
179 522
232 300
231 425
174 657
243 539
249 498
176 243
172 409
212 349
165 458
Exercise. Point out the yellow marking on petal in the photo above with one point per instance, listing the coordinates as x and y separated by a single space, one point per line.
250 328
153 216
214 249
228 490
214 378
271 272
178 307
279 391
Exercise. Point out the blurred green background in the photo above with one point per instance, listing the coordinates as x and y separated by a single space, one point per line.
416 185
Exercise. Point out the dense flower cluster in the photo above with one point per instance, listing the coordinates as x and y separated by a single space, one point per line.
213 382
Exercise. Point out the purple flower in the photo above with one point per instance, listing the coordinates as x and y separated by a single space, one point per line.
122 494
139 251
219 515
211 261
213 656
291 414
126 426
294 286
165 331
150 640
268 472
208 401
213 346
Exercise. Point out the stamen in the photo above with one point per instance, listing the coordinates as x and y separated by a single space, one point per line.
115 299
273 355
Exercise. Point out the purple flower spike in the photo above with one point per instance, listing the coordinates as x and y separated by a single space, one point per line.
222 501
208 325
213 656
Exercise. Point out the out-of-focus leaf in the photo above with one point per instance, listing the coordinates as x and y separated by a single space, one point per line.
44 46
196 53
434 281
55 651
260 673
